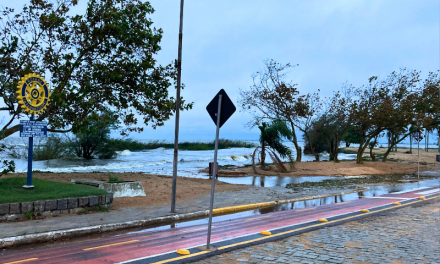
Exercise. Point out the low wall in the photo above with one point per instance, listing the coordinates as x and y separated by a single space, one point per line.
14 211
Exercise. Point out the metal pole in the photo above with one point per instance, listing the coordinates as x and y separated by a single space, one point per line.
418 157
214 174
30 155
176 131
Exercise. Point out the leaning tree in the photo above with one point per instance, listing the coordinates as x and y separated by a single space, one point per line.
97 61
271 143
271 97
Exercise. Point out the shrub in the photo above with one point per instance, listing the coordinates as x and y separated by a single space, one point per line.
54 147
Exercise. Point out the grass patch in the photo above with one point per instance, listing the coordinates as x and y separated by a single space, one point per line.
112 178
11 190
133 145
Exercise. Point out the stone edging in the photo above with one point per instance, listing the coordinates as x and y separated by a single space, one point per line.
14 211
60 234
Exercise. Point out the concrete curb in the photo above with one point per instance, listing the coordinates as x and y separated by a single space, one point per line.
60 234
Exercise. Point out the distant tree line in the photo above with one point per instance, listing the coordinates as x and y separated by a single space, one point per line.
396 106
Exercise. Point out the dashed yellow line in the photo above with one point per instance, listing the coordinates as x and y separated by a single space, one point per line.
110 245
280 234
21 261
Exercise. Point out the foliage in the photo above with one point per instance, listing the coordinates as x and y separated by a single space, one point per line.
271 141
6 166
13 192
270 98
133 145
54 147
113 178
352 136
318 140
100 60
91 138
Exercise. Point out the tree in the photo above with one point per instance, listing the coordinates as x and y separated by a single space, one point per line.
270 142
97 61
91 138
6 166
271 97
414 105
351 136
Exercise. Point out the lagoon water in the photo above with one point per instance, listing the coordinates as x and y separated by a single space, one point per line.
156 161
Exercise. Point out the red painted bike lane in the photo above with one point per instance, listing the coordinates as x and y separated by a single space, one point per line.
139 245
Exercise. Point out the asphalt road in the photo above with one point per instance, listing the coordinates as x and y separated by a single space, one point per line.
160 246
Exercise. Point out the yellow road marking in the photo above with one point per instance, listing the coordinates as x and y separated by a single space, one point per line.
257 217
21 261
126 242
282 233
305 209
197 229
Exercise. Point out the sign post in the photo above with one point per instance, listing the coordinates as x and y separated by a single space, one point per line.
418 136
220 109
33 95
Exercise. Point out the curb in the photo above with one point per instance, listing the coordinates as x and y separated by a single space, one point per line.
75 232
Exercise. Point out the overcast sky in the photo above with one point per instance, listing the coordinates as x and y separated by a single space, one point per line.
224 42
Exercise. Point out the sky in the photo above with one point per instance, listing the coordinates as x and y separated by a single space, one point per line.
225 42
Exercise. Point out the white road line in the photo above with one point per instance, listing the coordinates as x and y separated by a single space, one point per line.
376 197
414 189
430 191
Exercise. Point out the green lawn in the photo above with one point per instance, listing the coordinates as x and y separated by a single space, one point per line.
11 190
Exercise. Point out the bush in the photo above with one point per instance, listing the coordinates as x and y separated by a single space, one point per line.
113 178
54 147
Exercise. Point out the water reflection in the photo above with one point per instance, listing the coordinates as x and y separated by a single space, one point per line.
273 181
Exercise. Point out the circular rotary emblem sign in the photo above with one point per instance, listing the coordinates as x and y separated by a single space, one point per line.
33 93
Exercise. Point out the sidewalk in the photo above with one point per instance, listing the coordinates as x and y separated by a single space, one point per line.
224 199
407 235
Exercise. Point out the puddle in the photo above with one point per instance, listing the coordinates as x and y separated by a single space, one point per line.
273 181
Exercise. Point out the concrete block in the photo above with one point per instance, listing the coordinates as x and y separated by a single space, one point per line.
27 206
61 204
75 210
108 198
102 199
14 208
72 203
50 205
93 200
124 189
83 201
39 206
55 212
4 209
65 211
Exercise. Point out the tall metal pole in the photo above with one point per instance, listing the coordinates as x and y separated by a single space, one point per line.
176 131
418 157
214 174
30 155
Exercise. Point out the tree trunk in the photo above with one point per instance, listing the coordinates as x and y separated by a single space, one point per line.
410 144
311 148
347 145
360 151
373 158
332 154
295 143
263 157
336 148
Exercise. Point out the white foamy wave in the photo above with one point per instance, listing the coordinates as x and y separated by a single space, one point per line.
236 157
124 153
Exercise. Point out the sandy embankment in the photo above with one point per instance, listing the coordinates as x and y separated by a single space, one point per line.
401 163
157 187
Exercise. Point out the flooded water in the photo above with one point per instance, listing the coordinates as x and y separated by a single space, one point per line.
155 161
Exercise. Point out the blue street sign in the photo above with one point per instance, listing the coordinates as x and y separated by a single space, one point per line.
33 128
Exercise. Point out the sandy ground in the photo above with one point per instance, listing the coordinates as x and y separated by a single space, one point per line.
398 162
157 187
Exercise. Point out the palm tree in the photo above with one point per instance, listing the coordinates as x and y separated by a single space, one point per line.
271 142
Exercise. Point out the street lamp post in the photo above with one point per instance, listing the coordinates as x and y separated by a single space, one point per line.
176 132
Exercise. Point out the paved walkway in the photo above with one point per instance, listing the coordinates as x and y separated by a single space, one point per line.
407 235
254 195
